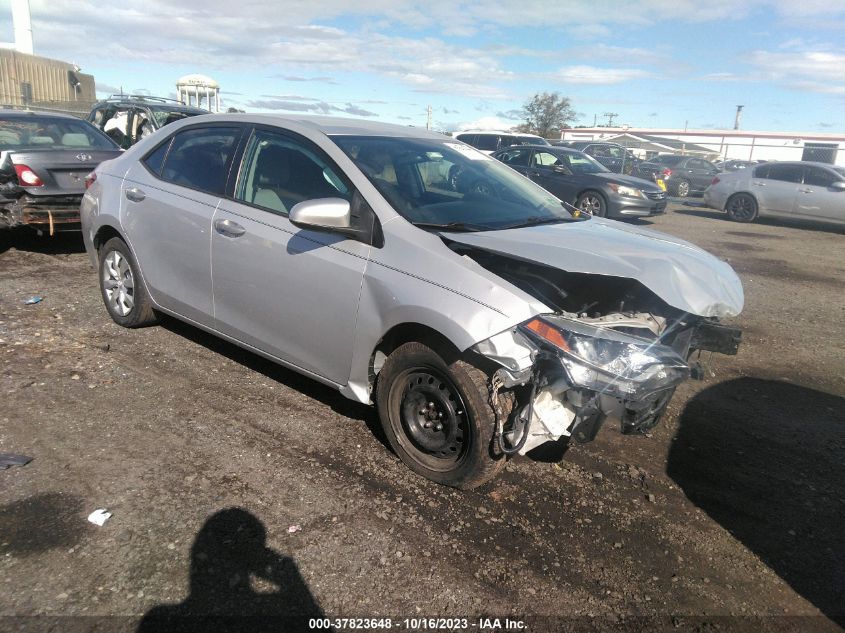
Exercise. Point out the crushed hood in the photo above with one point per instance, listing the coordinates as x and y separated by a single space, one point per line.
683 275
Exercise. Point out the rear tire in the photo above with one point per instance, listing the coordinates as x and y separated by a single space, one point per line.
741 207
437 417
121 287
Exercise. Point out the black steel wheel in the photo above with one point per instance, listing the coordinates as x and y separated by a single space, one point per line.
437 417
741 207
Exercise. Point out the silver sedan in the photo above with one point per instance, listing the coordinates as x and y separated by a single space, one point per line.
481 316
806 190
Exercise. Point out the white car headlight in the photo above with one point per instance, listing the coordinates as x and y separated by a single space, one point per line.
607 361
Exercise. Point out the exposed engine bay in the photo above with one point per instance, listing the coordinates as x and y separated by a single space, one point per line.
609 347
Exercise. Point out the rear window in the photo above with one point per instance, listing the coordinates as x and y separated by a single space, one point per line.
50 133
200 158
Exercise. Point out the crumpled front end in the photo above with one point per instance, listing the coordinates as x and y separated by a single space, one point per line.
569 373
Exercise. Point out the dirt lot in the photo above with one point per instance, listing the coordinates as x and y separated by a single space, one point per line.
733 507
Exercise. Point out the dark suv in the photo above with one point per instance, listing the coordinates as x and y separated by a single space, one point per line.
129 118
615 157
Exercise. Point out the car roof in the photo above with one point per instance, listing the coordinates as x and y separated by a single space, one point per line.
500 132
333 126
25 114
545 148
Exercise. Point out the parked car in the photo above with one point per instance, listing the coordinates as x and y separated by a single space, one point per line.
735 165
482 322
683 175
785 189
129 118
44 159
490 141
582 181
614 156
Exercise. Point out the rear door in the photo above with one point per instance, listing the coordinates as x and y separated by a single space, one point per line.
290 292
700 173
169 199
776 185
817 198
542 171
517 158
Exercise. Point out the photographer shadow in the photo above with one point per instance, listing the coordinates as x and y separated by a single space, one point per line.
763 458
228 553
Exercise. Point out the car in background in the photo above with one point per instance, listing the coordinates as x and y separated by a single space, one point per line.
806 190
483 322
583 182
489 141
614 156
683 175
44 161
735 165
126 119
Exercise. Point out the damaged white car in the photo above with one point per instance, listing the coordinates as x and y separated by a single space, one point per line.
410 270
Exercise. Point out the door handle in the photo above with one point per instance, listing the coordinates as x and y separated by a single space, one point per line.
759 184
534 174
134 194
229 228
806 190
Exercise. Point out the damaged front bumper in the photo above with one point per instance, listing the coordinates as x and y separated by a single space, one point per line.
44 213
571 374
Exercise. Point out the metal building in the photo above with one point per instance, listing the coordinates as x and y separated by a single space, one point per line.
30 81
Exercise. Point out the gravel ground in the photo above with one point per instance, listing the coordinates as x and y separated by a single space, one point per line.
240 488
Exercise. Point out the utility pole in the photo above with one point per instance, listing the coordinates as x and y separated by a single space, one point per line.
428 118
738 117
595 119
610 116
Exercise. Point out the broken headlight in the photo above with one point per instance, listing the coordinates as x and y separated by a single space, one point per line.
604 360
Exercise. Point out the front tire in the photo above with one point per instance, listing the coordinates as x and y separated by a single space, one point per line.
741 207
123 292
681 188
592 202
437 418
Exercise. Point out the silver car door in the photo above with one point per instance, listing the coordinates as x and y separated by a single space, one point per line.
289 292
817 198
777 189
169 201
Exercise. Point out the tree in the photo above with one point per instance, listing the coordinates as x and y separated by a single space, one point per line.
547 113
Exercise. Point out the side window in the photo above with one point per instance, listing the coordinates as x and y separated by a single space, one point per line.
544 159
787 173
155 159
487 142
518 157
818 177
469 139
762 171
200 158
280 172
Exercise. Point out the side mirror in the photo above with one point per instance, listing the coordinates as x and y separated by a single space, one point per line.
839 185
560 169
326 214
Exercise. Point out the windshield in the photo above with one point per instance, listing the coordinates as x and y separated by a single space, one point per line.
667 159
839 170
36 132
450 185
576 162
168 114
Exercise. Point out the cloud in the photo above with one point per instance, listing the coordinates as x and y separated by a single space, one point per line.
597 75
485 123
816 71
512 115
109 89
825 125
318 107
325 80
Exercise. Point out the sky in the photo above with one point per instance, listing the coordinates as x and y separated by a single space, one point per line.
654 63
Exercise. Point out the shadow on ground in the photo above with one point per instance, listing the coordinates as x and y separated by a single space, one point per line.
228 556
793 223
764 459
39 523
308 386
26 239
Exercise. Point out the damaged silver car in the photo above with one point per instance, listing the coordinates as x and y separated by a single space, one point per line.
480 315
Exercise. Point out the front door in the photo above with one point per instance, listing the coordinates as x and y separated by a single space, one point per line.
289 292
776 186
817 198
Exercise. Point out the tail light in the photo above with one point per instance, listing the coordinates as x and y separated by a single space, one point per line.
27 177
666 173
715 180
90 179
